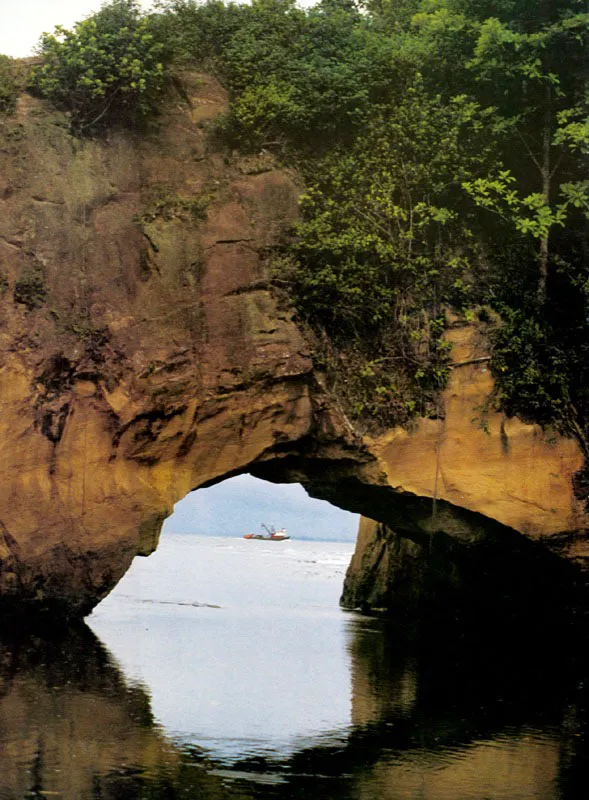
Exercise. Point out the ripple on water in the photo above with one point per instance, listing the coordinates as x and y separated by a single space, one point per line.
277 695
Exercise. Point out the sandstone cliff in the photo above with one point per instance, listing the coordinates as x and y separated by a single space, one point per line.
143 354
504 469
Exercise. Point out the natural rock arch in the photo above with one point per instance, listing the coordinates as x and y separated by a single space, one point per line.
143 354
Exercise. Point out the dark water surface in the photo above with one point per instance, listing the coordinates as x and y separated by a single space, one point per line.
224 669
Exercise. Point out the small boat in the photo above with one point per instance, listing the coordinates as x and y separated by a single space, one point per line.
272 534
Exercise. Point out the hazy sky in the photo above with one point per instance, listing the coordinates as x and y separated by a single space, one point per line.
23 21
240 505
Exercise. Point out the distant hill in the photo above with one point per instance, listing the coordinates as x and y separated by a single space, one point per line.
240 505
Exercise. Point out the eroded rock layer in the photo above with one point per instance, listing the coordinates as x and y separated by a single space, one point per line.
143 354
504 470
141 351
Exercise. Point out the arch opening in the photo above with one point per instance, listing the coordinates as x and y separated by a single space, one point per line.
202 651
220 627
414 559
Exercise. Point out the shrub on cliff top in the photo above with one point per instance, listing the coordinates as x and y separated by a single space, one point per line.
107 70
8 84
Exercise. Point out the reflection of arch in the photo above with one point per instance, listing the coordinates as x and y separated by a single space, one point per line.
70 724
459 710
437 704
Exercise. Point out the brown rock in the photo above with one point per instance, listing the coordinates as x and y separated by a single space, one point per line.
503 468
143 354
477 460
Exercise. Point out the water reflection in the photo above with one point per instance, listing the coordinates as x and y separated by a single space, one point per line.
454 714
259 664
71 727
435 716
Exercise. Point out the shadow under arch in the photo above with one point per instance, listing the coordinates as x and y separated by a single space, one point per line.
427 559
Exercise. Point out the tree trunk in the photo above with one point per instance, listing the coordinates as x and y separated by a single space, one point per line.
543 272
546 176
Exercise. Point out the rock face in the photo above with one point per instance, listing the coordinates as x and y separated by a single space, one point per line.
143 355
503 469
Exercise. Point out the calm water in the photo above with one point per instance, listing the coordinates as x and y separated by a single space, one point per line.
224 669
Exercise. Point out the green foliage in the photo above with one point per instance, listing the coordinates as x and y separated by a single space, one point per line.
168 207
444 146
298 79
107 70
525 62
371 379
385 231
542 373
198 32
385 245
30 288
532 214
533 372
12 80
7 85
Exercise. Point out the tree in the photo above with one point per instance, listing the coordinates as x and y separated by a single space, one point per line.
537 81
300 78
8 90
386 243
389 214
107 70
